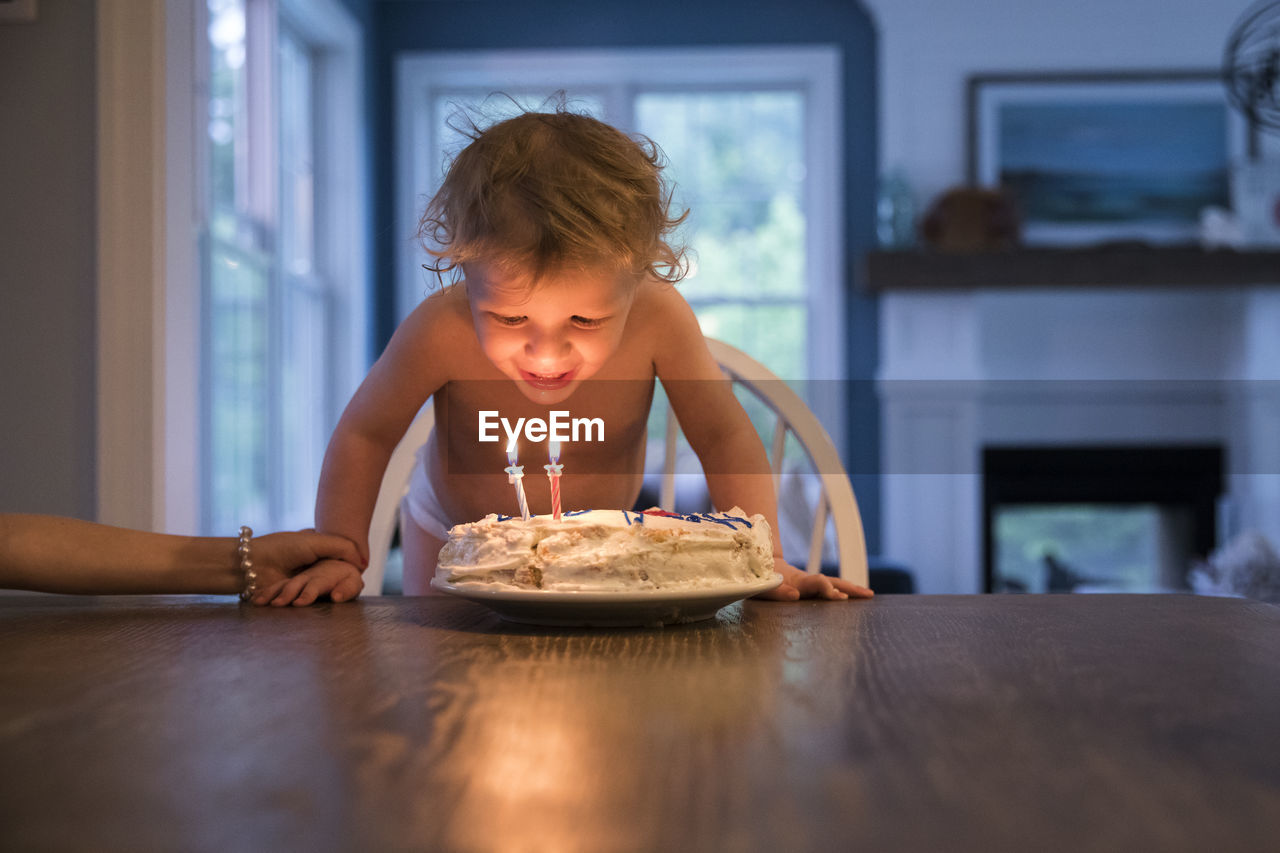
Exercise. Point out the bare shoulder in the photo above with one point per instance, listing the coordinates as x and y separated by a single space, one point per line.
433 345
663 316
440 326
668 322
443 313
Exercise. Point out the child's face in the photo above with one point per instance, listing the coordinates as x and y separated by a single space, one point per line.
548 338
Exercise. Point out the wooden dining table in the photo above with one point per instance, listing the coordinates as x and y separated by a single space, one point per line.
910 722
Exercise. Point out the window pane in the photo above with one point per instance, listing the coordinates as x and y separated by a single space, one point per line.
238 399
297 162
304 394
305 327
279 303
266 307
773 334
228 134
737 159
763 259
237 293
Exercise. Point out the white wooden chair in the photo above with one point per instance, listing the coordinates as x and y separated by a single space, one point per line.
395 485
835 499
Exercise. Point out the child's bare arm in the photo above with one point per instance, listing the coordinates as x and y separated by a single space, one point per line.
409 371
720 432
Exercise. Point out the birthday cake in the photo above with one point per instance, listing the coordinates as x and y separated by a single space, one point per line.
609 550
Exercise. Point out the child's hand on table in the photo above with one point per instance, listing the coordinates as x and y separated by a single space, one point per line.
797 584
338 579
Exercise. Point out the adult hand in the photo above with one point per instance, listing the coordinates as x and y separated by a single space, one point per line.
295 568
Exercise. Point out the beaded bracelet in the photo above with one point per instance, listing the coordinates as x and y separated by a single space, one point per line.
246 565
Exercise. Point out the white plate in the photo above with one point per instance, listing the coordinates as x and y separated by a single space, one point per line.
607 609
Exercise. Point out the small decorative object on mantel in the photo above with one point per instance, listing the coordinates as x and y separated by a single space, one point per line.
971 219
1251 73
895 211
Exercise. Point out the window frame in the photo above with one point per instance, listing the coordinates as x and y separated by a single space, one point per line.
617 73
152 86
342 199
331 37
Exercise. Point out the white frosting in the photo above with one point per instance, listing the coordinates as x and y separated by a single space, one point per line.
604 550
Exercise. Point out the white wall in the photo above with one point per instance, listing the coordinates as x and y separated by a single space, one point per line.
934 431
47 261
928 48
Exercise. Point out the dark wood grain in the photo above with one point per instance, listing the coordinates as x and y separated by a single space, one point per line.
903 723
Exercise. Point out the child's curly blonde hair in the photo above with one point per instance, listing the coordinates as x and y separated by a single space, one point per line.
548 190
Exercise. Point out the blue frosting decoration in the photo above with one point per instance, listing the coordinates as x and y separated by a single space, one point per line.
729 521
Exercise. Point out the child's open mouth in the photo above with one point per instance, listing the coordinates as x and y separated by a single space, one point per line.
548 382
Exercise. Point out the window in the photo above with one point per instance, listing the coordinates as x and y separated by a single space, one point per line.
752 139
739 158
283 338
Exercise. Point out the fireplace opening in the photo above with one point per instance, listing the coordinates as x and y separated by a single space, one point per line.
1098 519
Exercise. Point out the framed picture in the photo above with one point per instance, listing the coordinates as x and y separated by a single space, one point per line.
1105 157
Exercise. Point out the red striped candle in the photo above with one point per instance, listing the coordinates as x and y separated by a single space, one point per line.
553 474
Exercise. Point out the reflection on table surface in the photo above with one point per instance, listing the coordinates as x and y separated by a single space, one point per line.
905 722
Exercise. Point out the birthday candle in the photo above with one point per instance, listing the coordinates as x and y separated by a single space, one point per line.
515 473
553 474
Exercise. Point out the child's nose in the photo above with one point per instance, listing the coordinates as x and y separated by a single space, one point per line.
546 346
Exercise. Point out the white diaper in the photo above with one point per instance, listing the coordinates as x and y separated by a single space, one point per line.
420 503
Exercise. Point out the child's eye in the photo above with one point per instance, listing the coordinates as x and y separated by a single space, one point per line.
587 322
508 320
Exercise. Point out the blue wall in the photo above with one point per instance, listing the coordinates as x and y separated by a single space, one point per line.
414 25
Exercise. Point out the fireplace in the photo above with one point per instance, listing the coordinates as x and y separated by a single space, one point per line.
1097 518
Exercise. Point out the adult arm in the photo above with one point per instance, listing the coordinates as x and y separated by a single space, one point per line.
55 554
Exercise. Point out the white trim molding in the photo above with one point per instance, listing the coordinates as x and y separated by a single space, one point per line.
147 309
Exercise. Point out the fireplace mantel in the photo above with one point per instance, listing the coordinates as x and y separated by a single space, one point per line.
1120 265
